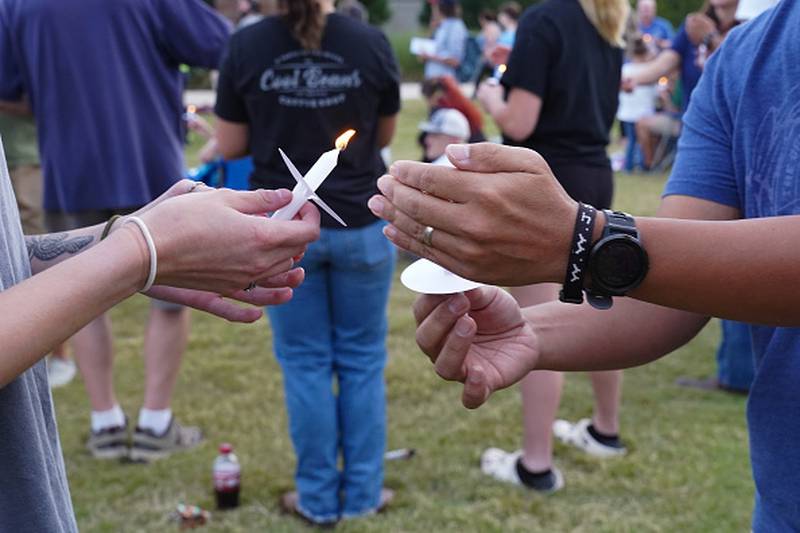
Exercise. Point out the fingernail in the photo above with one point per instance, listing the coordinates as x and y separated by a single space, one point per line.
394 170
463 327
459 152
474 375
457 305
385 186
390 232
376 205
283 195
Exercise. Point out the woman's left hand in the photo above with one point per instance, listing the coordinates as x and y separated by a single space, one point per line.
500 217
274 291
490 94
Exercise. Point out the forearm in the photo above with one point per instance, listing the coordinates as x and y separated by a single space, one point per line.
50 307
510 123
517 115
663 65
742 270
47 250
632 333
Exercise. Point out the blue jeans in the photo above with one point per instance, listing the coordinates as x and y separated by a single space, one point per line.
775 517
334 330
633 153
735 360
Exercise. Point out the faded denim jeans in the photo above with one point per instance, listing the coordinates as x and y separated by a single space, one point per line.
330 340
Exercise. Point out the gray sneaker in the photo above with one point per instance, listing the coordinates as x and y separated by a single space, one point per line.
109 443
147 446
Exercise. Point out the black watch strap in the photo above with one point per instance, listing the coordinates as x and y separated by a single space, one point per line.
578 264
618 222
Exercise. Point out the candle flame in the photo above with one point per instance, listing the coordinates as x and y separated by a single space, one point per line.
663 81
191 109
344 139
502 69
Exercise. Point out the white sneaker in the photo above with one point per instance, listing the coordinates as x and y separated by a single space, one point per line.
502 466
578 435
60 371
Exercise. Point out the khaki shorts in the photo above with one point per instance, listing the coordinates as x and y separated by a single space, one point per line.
57 221
663 124
27 183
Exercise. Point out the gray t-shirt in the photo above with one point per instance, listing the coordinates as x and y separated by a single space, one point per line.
34 495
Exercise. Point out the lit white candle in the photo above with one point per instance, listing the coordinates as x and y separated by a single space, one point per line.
314 178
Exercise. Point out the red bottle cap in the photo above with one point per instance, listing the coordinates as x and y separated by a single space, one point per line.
225 448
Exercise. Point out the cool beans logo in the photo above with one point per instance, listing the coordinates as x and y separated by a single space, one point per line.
310 79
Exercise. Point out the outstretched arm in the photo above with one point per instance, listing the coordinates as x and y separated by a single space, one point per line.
240 246
49 249
485 341
514 227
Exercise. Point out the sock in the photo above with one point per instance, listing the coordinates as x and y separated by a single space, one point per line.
112 418
607 440
535 480
155 420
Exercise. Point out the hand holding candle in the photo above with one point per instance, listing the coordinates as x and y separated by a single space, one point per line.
306 187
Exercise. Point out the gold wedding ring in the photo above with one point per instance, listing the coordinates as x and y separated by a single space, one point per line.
427 236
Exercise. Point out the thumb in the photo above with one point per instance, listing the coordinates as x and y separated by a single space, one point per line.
492 158
258 202
476 388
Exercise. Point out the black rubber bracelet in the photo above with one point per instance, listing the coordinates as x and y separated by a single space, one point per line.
572 291
107 229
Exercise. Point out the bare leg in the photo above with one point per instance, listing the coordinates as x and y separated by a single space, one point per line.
646 141
607 398
60 351
94 354
541 394
164 344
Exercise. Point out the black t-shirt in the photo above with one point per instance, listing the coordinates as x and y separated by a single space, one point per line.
301 100
560 57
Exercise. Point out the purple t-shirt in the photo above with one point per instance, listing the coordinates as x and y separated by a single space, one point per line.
105 88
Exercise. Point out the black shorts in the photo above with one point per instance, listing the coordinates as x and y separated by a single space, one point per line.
593 185
58 221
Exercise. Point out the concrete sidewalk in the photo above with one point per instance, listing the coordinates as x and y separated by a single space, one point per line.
408 91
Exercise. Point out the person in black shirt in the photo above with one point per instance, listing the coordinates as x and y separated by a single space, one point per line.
559 97
296 82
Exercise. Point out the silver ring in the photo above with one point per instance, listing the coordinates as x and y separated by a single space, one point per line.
250 287
427 236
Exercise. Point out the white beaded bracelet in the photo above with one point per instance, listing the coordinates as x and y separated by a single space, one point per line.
151 246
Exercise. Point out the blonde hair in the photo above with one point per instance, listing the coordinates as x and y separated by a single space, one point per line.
609 17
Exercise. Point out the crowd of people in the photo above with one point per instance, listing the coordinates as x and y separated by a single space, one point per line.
93 210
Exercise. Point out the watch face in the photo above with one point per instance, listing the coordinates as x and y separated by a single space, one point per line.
619 264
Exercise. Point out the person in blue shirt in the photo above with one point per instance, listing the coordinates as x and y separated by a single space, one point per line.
658 28
508 16
697 38
106 93
451 39
737 159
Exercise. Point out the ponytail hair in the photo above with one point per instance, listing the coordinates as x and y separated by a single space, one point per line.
306 21
609 18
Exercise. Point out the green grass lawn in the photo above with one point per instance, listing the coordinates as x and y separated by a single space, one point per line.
687 470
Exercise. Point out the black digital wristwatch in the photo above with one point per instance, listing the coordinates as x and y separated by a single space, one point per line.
618 262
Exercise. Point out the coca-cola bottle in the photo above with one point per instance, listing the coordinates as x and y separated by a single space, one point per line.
227 478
